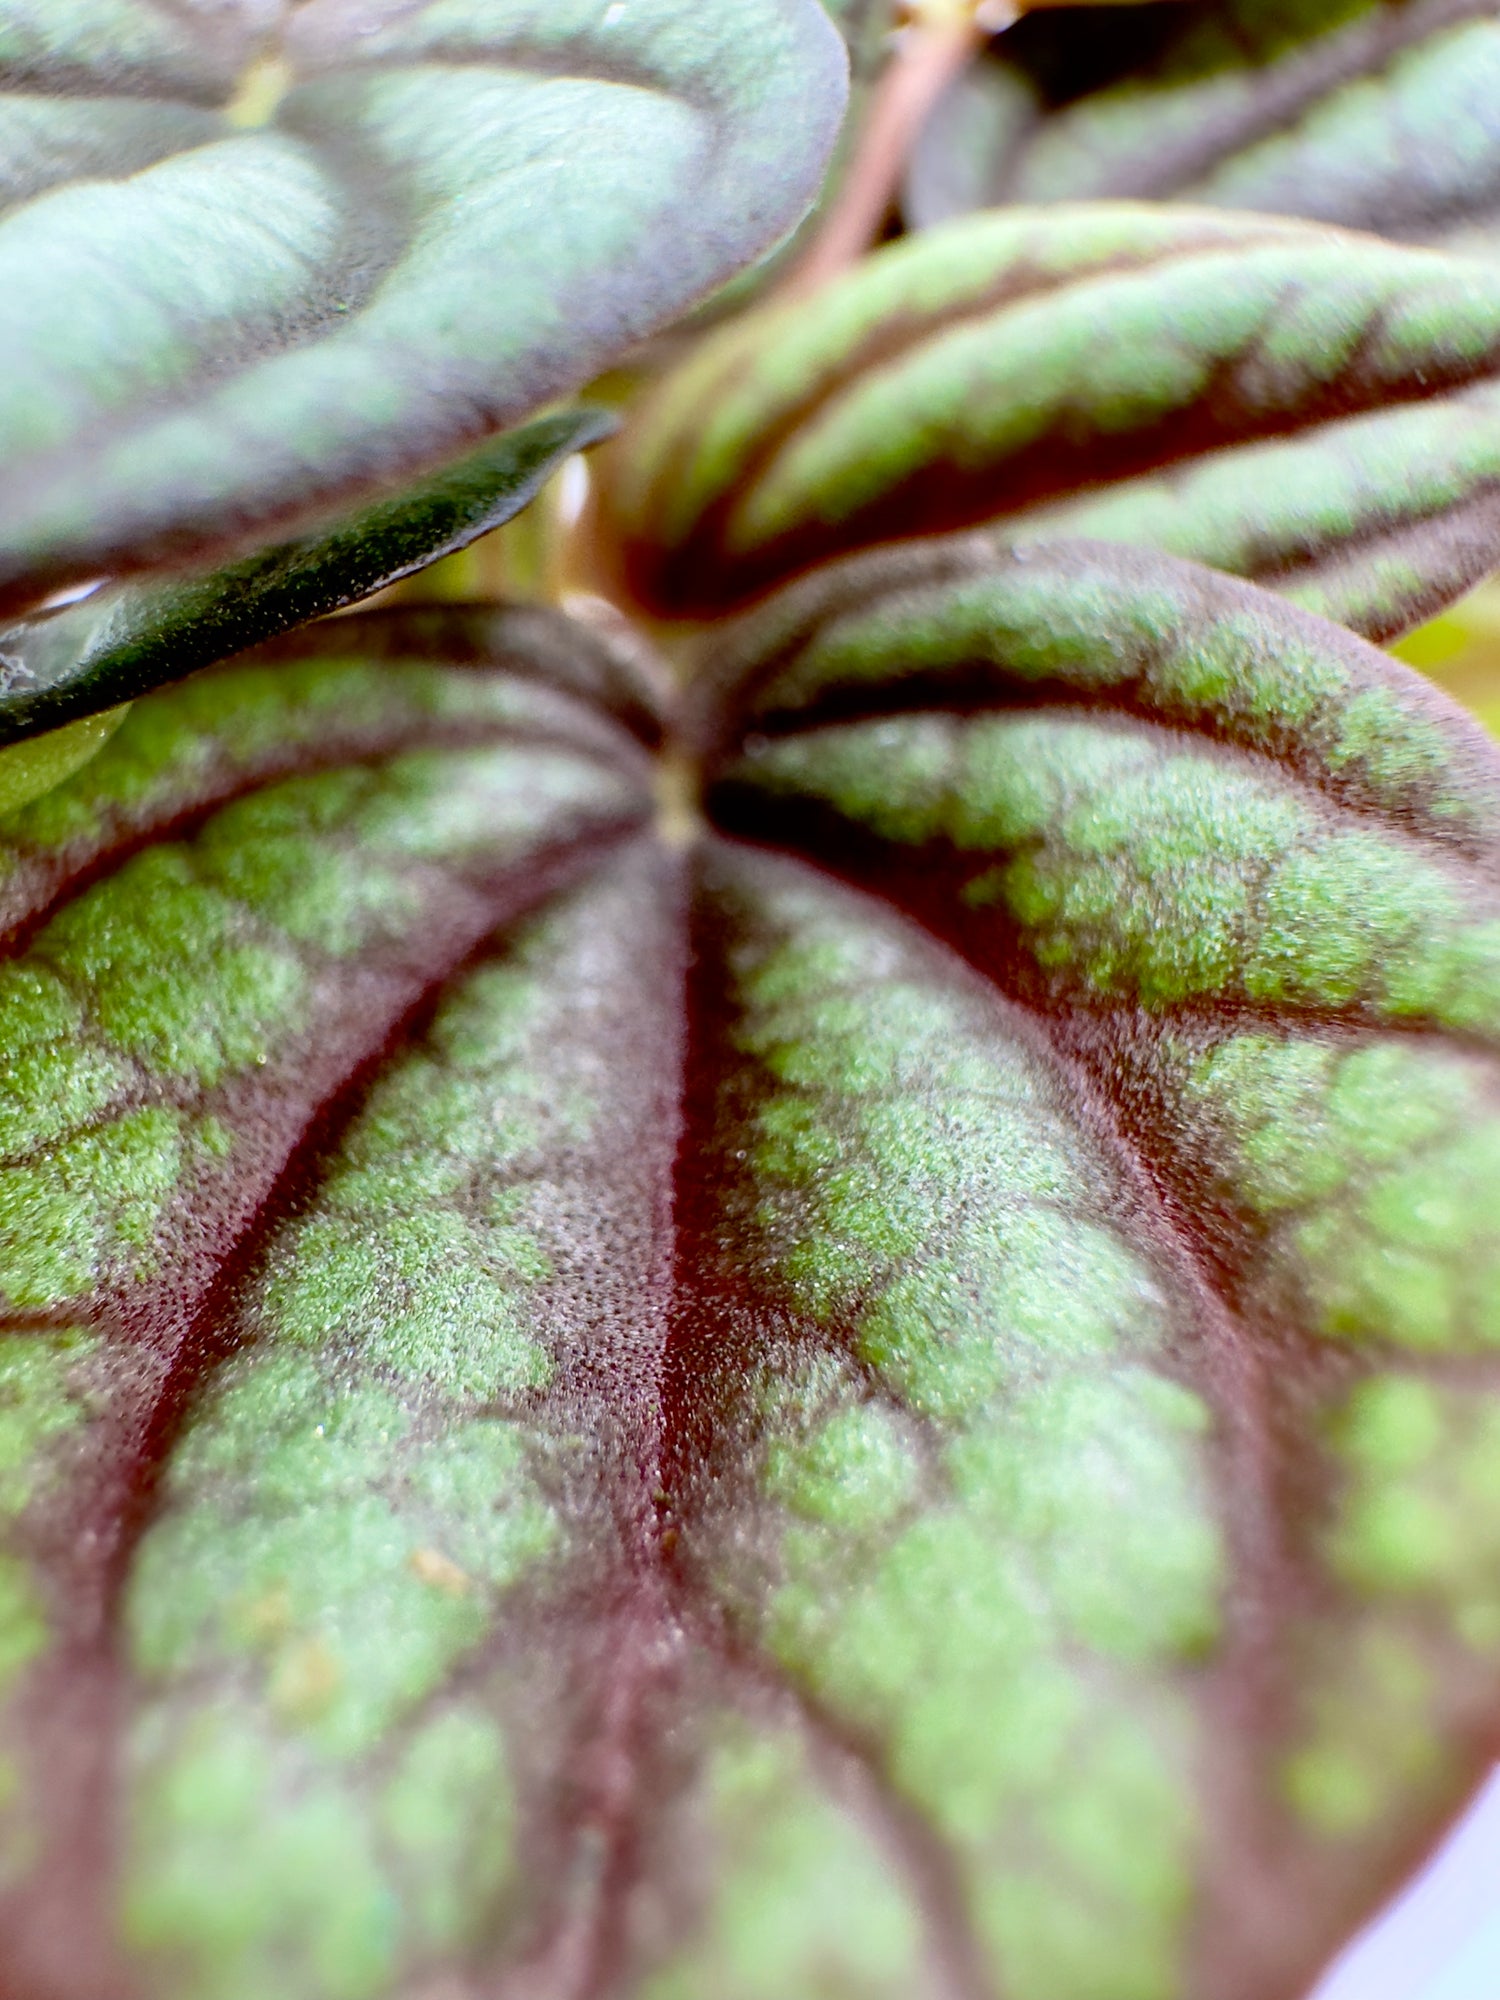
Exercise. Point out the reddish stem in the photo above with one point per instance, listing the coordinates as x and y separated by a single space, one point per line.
940 42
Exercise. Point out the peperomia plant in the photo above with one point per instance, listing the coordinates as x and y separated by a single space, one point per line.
777 1281
1374 113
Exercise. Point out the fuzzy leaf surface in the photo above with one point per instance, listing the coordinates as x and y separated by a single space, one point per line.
216 327
896 1395
1377 114
1316 410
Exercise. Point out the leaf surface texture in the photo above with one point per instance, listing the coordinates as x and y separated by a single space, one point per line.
898 1399
257 264
1313 409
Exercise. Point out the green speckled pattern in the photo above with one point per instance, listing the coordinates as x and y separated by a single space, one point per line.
790 1881
198 961
1135 871
887 1393
1223 856
1302 405
343 1618
338 837
985 1542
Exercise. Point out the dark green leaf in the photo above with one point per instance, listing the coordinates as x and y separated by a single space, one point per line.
458 210
895 1396
1379 114
1313 409
121 641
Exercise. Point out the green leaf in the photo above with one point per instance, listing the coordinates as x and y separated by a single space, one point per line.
124 640
891 1392
29 769
1376 116
868 28
1315 410
218 323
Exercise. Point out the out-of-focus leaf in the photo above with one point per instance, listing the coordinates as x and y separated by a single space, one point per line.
124 640
893 1396
1460 650
1314 409
455 211
868 27
1378 114
29 769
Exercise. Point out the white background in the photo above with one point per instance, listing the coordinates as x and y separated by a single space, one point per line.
1440 1938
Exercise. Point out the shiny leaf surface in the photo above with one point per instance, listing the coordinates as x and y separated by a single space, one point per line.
122 641
256 263
1309 408
1378 114
891 1393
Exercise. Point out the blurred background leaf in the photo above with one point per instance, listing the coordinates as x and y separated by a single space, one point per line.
1379 114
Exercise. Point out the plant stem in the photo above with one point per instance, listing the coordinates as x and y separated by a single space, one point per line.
939 39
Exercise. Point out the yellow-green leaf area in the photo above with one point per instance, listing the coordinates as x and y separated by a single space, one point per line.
172 972
799 1890
334 1891
52 1083
989 1554
90 1210
1146 868
193 958
1373 1165
1398 753
42 1404
1119 353
298 1555
1173 652
192 964
242 717
307 1886
739 389
1411 1540
1372 1739
1092 631
429 1238
1253 508
448 1813
936 1110
1419 1518
23 1623
27 770
1001 1648
328 859
432 1304
352 1507
855 1471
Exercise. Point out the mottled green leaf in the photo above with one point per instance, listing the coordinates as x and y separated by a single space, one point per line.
257 262
891 1395
1379 114
1316 410
1237 872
